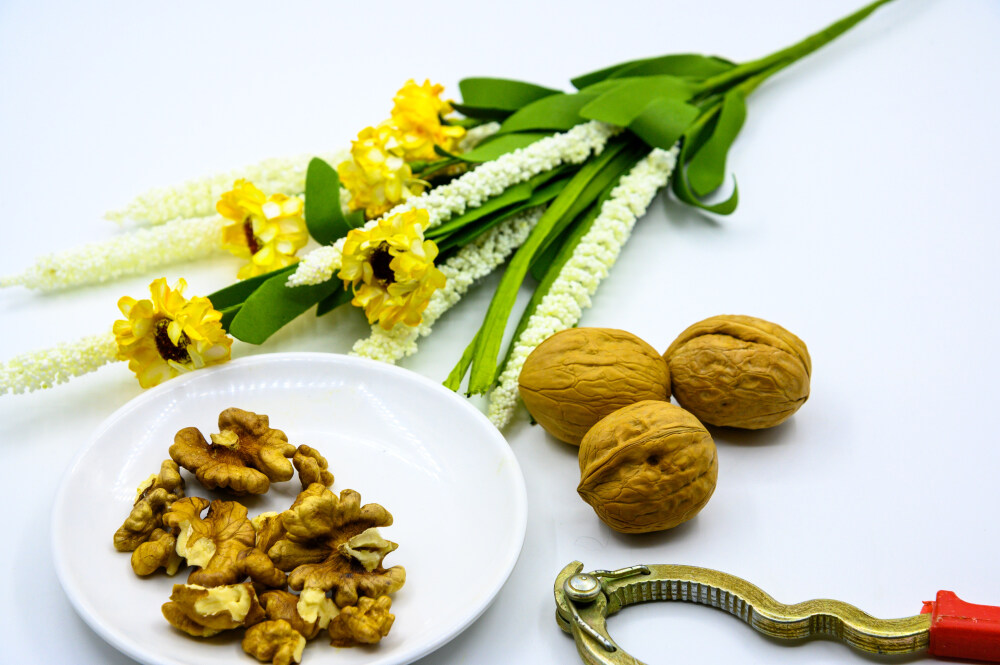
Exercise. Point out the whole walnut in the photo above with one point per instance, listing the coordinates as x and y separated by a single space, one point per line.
577 376
738 371
647 467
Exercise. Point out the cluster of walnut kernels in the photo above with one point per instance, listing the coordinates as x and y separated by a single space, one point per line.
326 547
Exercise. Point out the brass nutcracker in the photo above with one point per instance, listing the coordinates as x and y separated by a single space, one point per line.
946 627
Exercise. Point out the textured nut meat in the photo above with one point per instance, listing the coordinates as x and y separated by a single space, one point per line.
578 376
246 456
647 467
738 371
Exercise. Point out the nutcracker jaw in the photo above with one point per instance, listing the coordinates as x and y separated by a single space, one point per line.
585 600
581 610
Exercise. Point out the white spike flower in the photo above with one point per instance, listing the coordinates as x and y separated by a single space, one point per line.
473 189
474 261
43 369
562 307
126 254
197 198
475 136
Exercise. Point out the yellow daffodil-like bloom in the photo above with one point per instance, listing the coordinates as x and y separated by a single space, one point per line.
169 334
391 269
377 176
417 115
266 230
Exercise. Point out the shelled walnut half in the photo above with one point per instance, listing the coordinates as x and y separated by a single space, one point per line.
153 498
275 641
246 456
312 467
317 524
221 545
366 623
203 612
308 613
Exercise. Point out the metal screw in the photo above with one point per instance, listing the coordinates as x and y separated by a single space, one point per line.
582 588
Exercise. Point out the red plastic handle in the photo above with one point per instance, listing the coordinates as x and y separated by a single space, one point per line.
963 630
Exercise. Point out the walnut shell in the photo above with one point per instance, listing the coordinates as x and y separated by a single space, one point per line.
576 377
738 371
647 467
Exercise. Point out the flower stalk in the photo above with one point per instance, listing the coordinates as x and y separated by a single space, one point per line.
128 254
37 370
197 197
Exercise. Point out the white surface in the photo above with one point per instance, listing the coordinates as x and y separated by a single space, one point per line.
867 226
379 426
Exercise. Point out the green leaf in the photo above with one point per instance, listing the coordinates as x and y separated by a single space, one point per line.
587 80
274 304
686 65
545 257
227 316
333 301
480 114
454 380
556 112
501 145
663 121
683 64
504 95
324 218
626 99
683 191
510 196
560 255
707 168
236 294
468 123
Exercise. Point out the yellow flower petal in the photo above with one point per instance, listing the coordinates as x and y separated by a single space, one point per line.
417 114
169 334
377 176
390 268
266 230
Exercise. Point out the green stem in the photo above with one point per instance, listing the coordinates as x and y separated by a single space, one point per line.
788 55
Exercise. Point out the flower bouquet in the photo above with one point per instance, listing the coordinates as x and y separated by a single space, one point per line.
422 206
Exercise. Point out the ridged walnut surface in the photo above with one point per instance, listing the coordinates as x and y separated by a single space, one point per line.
578 376
647 467
739 371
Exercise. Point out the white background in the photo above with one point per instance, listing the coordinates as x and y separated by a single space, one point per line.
866 226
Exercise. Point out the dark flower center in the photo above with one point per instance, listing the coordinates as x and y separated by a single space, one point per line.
168 350
251 238
380 260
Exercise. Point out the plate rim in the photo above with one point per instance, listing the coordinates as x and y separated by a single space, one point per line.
519 508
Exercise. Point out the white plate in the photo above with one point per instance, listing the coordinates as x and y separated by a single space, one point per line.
436 463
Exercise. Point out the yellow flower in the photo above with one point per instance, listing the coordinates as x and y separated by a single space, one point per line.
266 230
417 115
377 176
391 269
169 334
